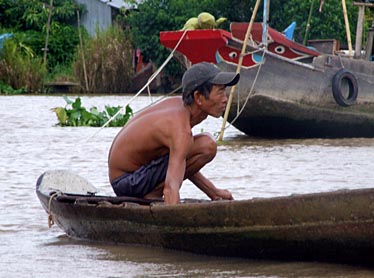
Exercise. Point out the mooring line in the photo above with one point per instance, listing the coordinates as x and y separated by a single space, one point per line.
153 76
50 216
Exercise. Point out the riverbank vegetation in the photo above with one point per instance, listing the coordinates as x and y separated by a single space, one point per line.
59 58
20 69
108 62
103 63
26 21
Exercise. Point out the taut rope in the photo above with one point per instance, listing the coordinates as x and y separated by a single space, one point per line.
50 217
157 72
247 35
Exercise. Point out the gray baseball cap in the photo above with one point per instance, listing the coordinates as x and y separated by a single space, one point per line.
203 72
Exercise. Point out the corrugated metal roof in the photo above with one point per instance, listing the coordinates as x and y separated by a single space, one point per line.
120 4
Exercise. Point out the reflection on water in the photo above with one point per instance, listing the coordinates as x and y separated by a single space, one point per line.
158 262
248 167
267 168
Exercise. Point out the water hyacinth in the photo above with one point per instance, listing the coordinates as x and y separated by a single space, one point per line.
74 114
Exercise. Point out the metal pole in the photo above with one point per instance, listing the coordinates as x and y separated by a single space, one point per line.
265 20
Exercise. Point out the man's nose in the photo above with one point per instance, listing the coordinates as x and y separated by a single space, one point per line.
225 96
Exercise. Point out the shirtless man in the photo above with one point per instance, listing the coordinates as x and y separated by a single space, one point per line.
155 151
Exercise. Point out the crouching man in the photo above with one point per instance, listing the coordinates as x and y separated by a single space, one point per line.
155 151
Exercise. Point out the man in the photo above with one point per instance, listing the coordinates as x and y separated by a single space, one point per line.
155 151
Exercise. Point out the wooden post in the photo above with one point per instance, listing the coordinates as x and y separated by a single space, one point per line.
82 53
369 43
359 28
308 22
240 62
349 41
47 31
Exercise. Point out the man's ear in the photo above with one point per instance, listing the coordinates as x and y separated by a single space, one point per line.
197 97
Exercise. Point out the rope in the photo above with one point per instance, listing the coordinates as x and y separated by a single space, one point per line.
160 99
340 60
153 76
251 91
265 51
244 46
51 222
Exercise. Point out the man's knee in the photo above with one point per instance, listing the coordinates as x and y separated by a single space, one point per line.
206 145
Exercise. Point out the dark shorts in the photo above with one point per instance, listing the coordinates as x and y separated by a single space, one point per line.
143 180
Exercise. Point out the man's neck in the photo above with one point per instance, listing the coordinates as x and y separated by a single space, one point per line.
196 115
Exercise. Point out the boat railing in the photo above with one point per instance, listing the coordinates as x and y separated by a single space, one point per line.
81 199
253 48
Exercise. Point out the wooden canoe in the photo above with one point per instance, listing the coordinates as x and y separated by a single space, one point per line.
332 226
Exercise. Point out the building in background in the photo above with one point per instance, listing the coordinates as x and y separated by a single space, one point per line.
100 14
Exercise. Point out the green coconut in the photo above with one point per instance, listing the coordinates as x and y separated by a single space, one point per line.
220 20
191 24
206 20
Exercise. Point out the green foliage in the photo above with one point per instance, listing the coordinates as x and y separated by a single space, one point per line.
20 68
328 24
74 114
61 46
61 73
30 17
8 90
108 60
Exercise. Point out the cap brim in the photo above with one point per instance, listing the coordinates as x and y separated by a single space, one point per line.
226 78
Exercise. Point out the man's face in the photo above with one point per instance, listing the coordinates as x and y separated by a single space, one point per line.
215 105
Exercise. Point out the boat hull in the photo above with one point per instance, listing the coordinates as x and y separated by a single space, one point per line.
287 90
333 226
293 100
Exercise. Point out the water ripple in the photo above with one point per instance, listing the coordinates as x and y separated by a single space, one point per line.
249 167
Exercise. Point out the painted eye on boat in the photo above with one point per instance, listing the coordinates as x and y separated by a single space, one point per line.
280 49
233 55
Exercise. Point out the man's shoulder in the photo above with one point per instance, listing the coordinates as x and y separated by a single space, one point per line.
175 100
171 107
172 116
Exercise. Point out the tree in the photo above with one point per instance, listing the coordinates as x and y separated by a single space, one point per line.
327 24
29 17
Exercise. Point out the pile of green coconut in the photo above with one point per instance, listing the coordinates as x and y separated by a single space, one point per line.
203 21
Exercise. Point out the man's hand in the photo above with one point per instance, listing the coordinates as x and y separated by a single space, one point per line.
222 194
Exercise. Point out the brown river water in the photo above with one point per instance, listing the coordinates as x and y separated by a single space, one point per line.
32 144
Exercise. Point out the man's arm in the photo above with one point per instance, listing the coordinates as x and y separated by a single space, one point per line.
180 144
209 188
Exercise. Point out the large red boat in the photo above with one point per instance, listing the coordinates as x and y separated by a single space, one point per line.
286 90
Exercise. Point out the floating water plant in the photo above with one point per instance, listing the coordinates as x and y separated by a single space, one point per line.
74 114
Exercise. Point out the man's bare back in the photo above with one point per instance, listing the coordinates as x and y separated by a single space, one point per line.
147 136
155 151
